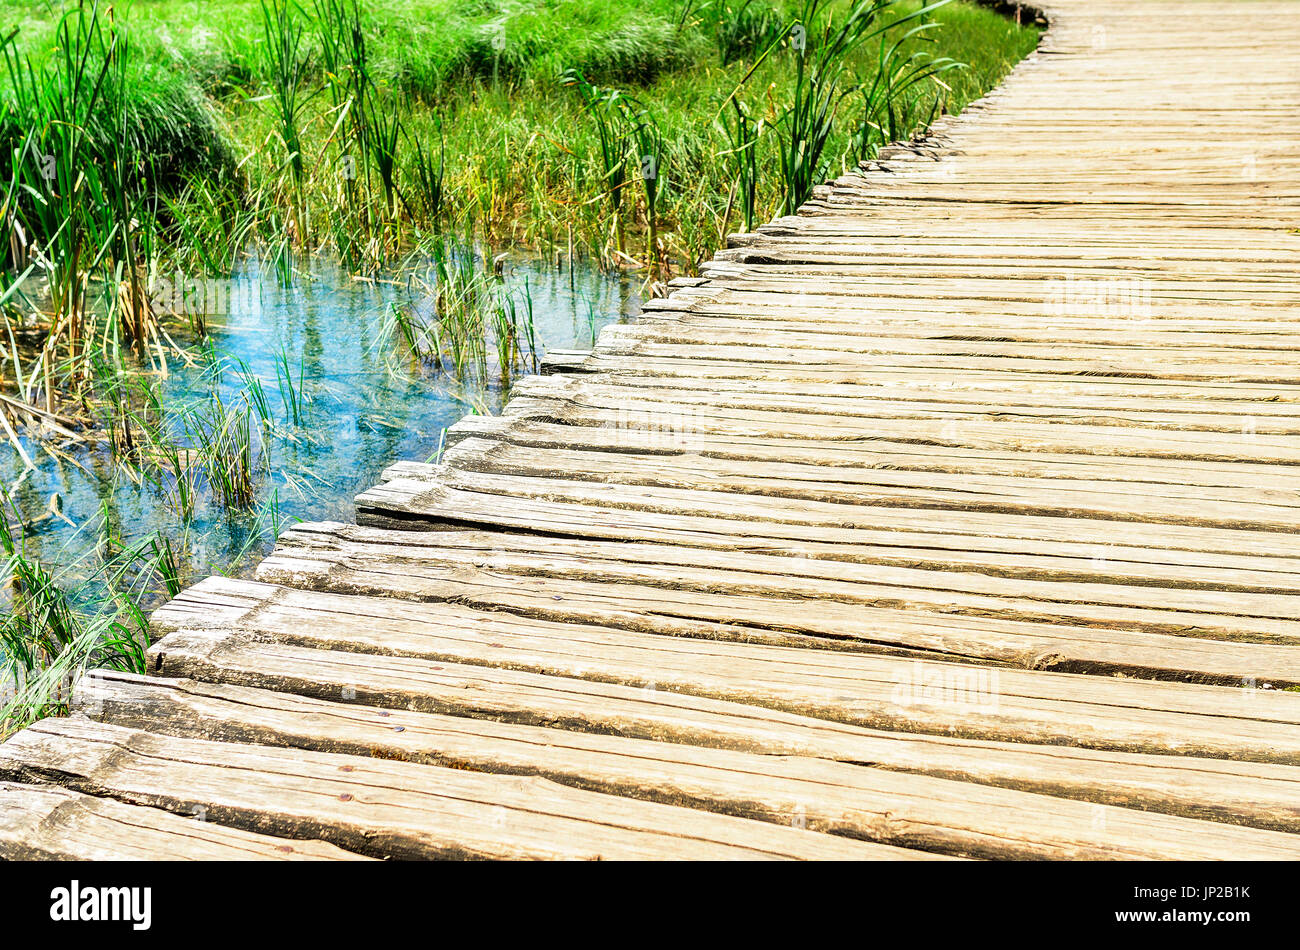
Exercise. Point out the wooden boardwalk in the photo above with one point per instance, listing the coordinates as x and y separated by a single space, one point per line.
956 516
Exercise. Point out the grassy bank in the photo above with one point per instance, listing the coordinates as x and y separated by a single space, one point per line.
364 128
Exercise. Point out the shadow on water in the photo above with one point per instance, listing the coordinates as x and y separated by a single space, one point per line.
366 402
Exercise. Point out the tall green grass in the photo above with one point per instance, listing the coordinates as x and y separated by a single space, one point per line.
287 64
88 161
823 41
393 121
743 132
603 108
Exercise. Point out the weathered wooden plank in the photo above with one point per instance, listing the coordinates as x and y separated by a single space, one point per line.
657 339
1128 325
643 437
1248 793
1127 322
48 823
395 809
924 547
890 233
1099 214
935 401
1140 499
1131 440
798 376
418 492
870 803
426 646
757 598
852 257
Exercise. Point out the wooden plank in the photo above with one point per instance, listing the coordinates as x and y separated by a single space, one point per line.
428 648
869 803
1181 412
417 492
641 436
1063 561
1126 324
1132 440
1096 379
48 823
758 598
1248 793
854 259
966 232
1140 499
395 809
1186 363
929 541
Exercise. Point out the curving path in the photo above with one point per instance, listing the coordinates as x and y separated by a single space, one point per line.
955 516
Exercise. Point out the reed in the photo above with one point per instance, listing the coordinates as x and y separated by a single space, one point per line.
602 107
822 42
648 155
287 66
385 132
292 387
898 81
428 176
743 132
53 161
227 446
255 392
459 314
58 626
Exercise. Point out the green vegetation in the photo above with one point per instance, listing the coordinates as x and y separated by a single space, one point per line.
140 140
87 614
165 137
357 125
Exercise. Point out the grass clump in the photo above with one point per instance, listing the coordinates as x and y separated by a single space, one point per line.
57 628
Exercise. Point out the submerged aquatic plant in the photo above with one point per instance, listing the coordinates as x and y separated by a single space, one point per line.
58 626
292 387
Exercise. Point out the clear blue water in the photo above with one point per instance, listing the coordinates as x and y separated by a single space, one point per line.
369 404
